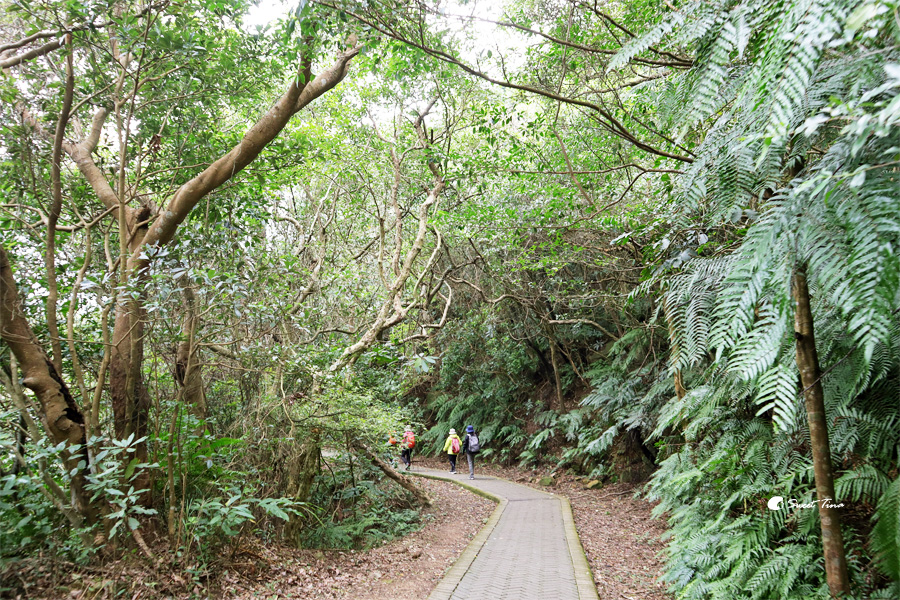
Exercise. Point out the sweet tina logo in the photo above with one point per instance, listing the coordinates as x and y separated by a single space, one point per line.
775 503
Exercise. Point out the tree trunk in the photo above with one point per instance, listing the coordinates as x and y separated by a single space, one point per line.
421 497
130 397
188 373
680 390
301 467
129 394
556 378
54 213
63 420
300 456
808 364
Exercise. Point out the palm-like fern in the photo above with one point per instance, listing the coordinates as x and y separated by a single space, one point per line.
796 107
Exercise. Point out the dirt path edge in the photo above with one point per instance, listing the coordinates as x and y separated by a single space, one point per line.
584 577
448 583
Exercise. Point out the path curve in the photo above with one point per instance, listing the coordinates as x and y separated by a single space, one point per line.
528 550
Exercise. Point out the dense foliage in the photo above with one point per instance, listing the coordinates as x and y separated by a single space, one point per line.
645 242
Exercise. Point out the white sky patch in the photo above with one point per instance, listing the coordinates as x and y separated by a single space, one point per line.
471 24
483 35
265 12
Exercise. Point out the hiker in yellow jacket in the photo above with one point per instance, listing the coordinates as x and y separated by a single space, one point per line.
452 447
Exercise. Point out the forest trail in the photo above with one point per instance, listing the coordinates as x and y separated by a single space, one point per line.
528 549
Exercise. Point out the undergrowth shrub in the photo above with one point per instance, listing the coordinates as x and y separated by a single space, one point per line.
354 511
485 380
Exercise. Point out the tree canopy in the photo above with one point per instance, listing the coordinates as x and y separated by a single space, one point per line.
653 241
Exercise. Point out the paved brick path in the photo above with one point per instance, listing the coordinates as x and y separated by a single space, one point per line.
528 550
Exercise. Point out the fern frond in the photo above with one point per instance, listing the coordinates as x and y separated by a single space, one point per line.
642 43
865 482
778 392
886 533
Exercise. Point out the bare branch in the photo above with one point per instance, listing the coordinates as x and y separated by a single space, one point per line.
599 112
33 53
55 210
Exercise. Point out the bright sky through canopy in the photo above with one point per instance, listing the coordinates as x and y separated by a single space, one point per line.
265 12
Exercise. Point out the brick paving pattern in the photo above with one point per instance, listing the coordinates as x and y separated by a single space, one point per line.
527 554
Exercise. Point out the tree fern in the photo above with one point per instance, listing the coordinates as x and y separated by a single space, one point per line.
795 105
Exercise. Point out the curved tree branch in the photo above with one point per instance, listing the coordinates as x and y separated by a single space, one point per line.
606 118
299 94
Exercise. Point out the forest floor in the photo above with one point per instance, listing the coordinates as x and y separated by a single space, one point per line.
408 567
619 536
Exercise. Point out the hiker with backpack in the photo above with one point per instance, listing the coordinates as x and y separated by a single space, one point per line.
453 446
406 447
471 446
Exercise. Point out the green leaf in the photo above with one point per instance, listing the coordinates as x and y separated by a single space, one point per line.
132 465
